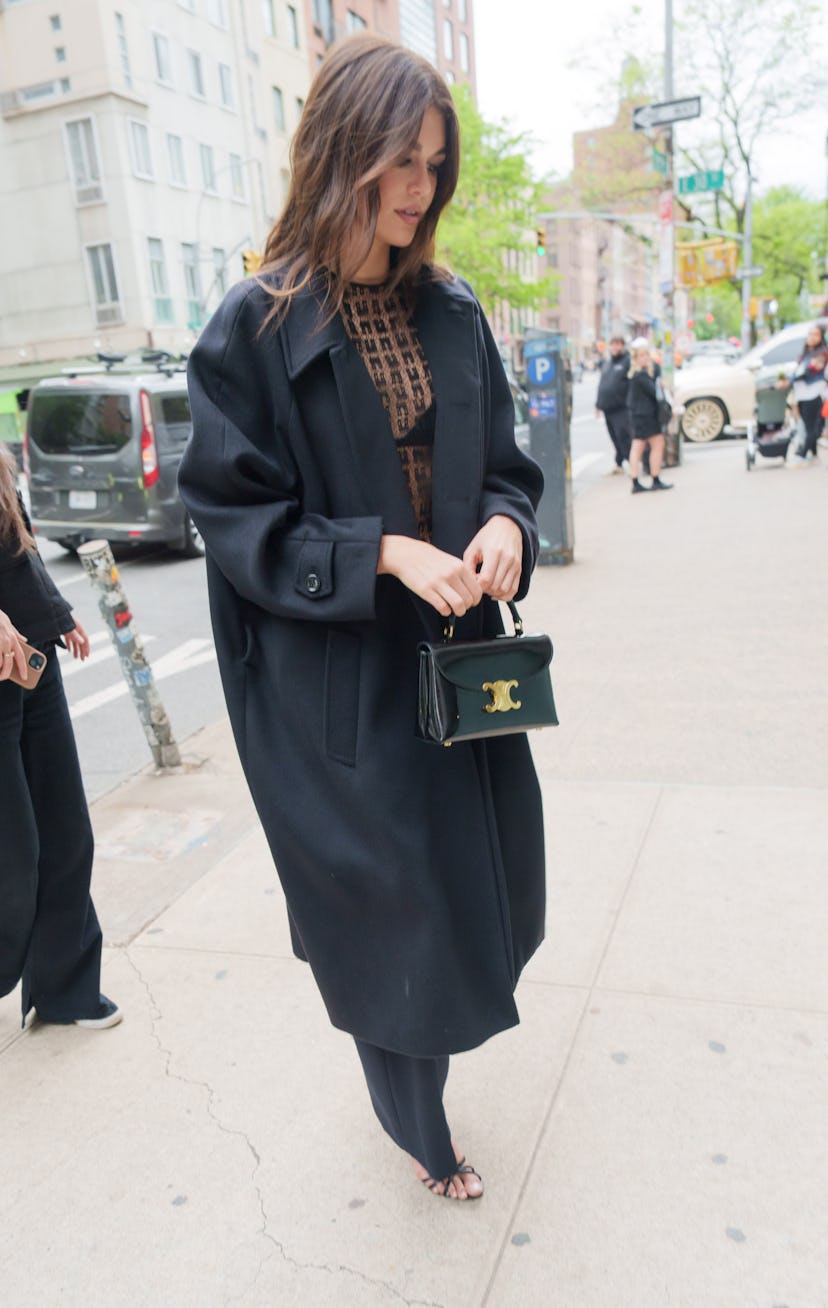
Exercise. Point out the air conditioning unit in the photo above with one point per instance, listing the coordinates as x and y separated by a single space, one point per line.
107 315
90 194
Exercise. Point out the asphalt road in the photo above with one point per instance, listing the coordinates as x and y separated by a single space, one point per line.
168 598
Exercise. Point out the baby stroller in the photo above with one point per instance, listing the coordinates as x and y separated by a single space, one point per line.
773 426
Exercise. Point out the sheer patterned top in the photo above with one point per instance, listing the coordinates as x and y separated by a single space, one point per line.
384 333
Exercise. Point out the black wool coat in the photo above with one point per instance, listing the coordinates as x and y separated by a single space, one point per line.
643 404
413 874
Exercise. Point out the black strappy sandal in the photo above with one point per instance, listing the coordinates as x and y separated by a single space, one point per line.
462 1169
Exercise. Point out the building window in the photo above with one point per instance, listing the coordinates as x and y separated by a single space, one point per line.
448 39
300 107
236 177
269 18
278 109
105 294
123 49
139 141
449 76
219 271
208 168
55 23
293 27
162 300
353 22
254 107
464 52
323 18
84 162
175 156
217 12
60 54
163 58
228 98
192 285
196 74
463 11
187 4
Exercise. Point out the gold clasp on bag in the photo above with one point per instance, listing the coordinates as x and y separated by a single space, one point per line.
501 693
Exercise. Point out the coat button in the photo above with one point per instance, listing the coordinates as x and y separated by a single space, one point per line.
312 582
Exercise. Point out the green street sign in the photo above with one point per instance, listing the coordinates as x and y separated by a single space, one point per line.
712 180
659 161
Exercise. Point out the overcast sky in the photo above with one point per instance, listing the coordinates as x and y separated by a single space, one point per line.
524 52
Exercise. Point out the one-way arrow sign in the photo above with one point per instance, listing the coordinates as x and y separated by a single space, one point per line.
669 111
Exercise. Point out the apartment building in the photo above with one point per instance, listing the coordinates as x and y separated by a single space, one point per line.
442 31
143 145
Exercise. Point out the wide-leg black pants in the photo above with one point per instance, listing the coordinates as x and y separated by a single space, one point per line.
407 1094
49 932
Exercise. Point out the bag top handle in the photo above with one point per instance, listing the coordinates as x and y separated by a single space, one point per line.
448 629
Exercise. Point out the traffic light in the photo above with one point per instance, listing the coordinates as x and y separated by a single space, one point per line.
251 261
540 243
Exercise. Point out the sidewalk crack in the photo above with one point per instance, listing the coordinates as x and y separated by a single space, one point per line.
236 1132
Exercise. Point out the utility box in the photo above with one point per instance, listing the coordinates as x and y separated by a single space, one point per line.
549 385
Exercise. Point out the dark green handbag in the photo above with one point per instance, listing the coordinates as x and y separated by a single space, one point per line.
490 687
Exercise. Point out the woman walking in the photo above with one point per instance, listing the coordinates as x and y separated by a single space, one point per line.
49 933
645 421
354 474
809 389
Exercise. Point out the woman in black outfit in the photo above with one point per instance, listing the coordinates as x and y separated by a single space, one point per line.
645 422
354 474
49 933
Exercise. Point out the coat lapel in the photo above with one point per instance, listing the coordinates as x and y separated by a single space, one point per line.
365 423
446 323
445 320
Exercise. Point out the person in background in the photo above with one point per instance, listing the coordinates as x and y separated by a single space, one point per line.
645 423
612 399
808 383
49 932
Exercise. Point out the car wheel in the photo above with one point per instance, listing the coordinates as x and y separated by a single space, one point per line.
68 543
703 420
192 546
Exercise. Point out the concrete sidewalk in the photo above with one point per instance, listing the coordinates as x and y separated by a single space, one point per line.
654 1133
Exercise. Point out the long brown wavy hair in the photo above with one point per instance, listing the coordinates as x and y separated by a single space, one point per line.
363 114
14 534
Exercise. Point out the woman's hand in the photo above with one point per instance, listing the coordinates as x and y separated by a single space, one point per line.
448 584
497 551
77 642
12 653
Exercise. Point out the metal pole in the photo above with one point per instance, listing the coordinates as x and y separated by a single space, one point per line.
99 565
747 261
669 314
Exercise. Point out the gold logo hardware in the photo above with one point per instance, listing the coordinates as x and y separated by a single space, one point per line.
501 693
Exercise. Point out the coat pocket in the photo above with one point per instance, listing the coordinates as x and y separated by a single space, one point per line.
342 661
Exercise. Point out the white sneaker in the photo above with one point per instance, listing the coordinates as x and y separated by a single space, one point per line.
110 1015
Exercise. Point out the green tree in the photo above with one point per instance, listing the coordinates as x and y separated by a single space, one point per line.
487 234
787 232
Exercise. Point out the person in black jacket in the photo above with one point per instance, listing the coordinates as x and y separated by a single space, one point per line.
49 932
612 399
645 421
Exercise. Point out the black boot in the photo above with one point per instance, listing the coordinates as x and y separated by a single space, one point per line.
636 486
658 484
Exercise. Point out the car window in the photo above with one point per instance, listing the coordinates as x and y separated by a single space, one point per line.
80 423
785 352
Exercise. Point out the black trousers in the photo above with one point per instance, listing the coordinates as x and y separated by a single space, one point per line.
810 411
618 426
407 1094
49 932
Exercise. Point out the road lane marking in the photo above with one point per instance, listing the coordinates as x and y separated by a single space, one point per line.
583 462
70 666
191 654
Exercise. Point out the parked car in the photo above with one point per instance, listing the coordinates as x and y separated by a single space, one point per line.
102 453
723 395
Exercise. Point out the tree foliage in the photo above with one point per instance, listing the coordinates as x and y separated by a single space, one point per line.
487 233
787 231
